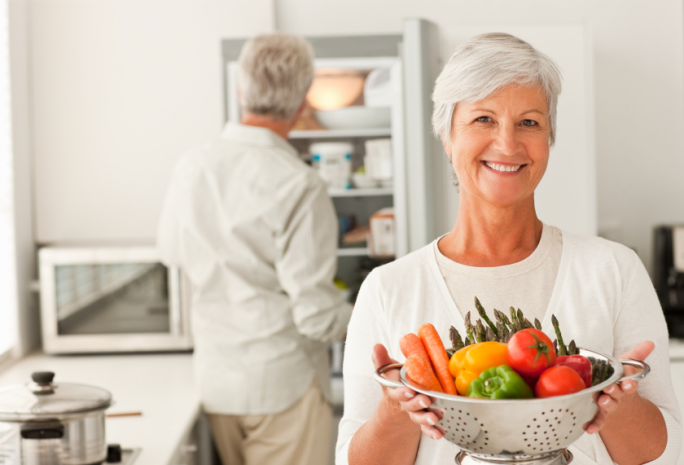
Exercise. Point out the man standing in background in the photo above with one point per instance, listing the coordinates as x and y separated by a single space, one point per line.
253 229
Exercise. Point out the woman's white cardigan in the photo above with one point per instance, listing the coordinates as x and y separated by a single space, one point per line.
603 298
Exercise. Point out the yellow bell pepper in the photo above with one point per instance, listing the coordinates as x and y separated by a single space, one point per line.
467 364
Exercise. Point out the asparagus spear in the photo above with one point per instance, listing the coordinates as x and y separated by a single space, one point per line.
483 315
521 320
456 340
469 327
528 324
561 344
572 348
467 341
514 321
480 332
555 345
490 334
500 328
504 320
537 324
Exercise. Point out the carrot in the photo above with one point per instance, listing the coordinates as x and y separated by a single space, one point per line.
410 344
440 360
420 371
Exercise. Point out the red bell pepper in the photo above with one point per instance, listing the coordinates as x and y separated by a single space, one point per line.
580 364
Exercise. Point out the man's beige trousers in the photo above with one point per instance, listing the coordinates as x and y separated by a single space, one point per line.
297 436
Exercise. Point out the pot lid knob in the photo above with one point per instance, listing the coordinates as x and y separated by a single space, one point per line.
42 382
43 378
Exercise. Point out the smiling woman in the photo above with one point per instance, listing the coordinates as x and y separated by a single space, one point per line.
495 112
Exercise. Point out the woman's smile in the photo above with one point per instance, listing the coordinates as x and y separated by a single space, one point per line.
503 168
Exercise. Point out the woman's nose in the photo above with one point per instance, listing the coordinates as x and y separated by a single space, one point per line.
507 142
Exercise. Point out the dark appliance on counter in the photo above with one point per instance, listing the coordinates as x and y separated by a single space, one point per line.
668 261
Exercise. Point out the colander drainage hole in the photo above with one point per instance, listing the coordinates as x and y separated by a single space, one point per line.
534 419
524 432
486 432
481 424
525 439
552 410
570 431
528 426
566 410
542 413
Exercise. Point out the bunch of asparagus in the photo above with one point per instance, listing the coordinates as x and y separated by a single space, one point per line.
503 329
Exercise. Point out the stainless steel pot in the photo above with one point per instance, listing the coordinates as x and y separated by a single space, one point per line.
46 423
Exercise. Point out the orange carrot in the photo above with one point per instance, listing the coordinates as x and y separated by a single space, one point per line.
410 344
440 360
420 371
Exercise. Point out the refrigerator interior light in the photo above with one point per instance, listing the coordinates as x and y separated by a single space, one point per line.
335 88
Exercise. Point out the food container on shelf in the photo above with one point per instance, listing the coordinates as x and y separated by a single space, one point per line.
518 430
333 162
48 423
378 160
381 241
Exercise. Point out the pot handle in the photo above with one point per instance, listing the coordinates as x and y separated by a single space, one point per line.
388 382
645 370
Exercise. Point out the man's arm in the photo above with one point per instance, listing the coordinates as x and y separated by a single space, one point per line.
307 264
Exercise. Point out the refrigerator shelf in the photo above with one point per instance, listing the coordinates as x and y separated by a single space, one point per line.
338 133
371 192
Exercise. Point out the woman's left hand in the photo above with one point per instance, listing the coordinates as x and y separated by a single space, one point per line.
619 395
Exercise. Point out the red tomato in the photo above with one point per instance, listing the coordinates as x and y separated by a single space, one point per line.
530 352
558 381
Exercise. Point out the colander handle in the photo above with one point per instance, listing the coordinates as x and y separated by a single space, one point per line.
645 370
388 382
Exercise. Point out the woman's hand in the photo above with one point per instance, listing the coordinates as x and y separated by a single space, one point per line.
620 396
414 404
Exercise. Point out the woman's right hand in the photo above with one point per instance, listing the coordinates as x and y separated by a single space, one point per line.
414 404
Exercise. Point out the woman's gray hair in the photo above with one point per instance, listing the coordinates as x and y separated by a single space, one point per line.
274 74
485 64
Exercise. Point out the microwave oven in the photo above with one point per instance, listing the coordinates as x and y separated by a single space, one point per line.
111 299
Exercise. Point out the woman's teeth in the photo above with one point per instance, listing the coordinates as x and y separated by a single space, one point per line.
497 167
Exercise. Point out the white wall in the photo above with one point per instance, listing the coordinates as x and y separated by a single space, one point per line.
120 89
638 86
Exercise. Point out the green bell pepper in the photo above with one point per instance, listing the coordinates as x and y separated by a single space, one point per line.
500 383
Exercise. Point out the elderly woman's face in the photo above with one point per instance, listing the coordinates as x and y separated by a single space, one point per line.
500 146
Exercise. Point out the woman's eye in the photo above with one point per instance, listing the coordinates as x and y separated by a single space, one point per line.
483 119
529 122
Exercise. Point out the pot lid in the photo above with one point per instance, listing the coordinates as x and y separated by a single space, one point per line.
43 399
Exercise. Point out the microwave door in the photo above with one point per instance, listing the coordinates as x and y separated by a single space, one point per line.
113 298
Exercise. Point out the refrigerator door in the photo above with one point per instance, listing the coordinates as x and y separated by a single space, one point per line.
421 65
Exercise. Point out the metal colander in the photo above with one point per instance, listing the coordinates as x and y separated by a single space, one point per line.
520 429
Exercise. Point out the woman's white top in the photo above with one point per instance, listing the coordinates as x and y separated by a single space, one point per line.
602 296
507 286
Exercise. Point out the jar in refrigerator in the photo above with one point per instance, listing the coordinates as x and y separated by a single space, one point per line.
333 162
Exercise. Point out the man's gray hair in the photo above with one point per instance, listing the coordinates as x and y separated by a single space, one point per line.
485 64
274 74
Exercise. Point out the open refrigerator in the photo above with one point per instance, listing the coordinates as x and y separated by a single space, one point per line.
370 94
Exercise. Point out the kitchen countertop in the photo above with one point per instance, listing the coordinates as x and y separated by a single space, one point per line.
160 386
